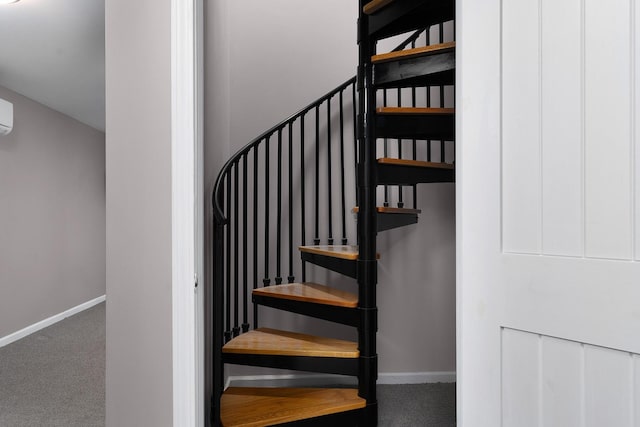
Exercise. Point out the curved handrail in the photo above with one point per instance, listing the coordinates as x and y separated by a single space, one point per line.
217 193
217 209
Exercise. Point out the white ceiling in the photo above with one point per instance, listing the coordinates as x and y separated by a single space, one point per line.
52 51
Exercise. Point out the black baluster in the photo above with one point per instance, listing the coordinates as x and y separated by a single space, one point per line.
385 146
291 277
441 30
227 332
302 195
428 41
329 174
266 281
316 239
400 201
255 231
245 209
236 241
344 202
355 137
279 213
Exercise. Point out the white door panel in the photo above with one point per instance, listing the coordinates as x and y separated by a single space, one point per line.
548 188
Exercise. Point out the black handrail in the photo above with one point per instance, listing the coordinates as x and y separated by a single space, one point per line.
217 205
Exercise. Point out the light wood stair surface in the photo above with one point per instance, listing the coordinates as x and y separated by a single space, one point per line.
413 53
414 111
337 251
257 407
348 252
415 163
392 210
375 5
283 343
310 292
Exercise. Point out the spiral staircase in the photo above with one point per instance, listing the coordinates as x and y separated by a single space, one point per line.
362 149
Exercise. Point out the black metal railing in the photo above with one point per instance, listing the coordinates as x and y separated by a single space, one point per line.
415 96
262 192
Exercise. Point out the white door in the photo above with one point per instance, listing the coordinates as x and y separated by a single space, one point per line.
548 182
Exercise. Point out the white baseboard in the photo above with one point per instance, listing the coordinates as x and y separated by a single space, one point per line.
322 380
50 321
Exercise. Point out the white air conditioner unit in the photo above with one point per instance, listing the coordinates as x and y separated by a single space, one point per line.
6 117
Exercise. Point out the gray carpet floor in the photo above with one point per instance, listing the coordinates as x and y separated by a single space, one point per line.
55 378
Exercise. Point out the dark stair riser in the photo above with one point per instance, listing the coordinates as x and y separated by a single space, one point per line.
339 265
344 315
408 175
416 126
389 221
407 15
325 365
431 70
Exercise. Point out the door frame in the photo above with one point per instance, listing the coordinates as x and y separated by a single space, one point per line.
187 175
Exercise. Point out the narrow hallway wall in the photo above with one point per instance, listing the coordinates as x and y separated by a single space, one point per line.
52 215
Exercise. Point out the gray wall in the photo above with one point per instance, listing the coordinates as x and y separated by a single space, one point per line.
52 218
264 61
138 170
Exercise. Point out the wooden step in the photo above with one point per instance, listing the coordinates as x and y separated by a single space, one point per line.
310 292
348 252
392 217
408 172
415 163
338 258
257 407
415 111
266 341
415 123
413 53
375 5
392 210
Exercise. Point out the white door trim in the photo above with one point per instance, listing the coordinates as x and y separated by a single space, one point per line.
186 144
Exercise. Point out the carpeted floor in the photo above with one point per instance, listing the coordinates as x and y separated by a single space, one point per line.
55 378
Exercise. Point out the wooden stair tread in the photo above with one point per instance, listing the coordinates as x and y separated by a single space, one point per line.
414 111
348 252
310 292
392 210
415 163
375 5
337 251
413 53
274 342
262 406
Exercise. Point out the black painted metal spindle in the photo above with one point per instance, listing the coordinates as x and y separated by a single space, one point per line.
266 281
441 30
255 231
227 331
400 190
329 174
303 234
290 278
355 137
342 192
385 147
428 42
279 213
236 241
316 238
245 268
